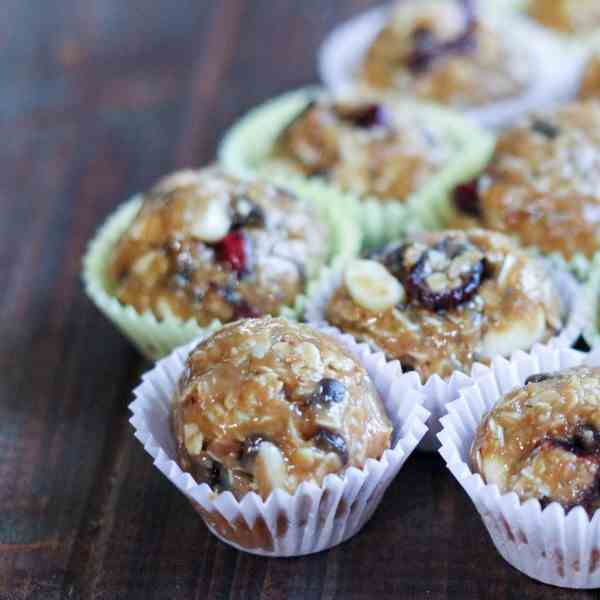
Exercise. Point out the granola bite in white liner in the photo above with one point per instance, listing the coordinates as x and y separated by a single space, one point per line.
308 468
494 65
443 301
547 527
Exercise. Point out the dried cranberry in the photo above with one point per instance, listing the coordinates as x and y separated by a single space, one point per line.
364 116
585 442
418 289
232 250
466 198
426 50
329 391
242 309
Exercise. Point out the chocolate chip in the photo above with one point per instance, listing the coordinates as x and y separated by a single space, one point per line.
538 377
406 366
250 448
217 478
546 129
329 441
329 391
247 213
587 438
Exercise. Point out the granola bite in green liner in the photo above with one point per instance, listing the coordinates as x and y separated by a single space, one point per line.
591 332
206 247
541 185
391 167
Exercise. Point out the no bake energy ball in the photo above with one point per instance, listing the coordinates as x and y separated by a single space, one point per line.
580 17
363 148
438 51
207 245
266 404
446 299
542 183
542 440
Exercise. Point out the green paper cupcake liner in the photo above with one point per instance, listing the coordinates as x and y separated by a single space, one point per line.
156 338
591 332
247 148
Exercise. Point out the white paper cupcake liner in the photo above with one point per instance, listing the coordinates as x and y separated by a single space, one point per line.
437 391
554 68
313 518
548 545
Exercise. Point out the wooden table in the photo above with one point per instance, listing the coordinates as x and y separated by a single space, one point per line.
98 98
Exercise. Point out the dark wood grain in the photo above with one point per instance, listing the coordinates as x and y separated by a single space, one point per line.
100 97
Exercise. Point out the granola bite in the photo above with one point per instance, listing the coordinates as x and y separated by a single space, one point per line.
363 147
542 183
445 300
267 404
579 17
542 440
439 51
208 245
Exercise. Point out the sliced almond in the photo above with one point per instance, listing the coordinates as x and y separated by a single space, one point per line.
194 440
372 286
270 469
495 471
211 222
521 334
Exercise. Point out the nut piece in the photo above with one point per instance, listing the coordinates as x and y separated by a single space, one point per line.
270 470
372 286
508 337
212 222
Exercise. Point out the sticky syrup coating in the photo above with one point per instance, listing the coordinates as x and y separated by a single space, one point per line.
514 306
208 245
542 182
542 440
363 147
486 67
266 404
589 88
580 17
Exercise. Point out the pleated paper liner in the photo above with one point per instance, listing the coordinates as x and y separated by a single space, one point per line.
248 147
439 392
314 517
155 338
549 545
552 66
591 331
